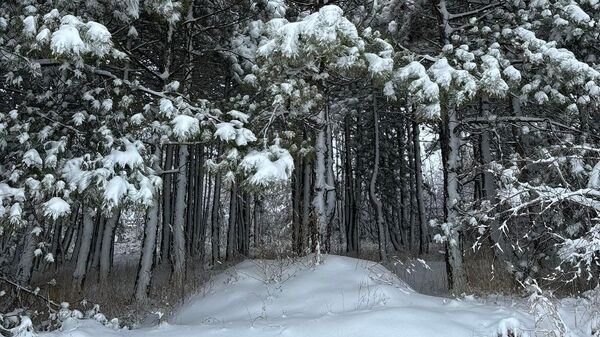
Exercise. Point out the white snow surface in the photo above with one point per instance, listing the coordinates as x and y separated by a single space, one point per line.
343 297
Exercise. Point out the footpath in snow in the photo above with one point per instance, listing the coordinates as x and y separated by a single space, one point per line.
343 297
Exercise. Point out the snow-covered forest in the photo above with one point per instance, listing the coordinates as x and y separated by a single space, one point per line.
300 168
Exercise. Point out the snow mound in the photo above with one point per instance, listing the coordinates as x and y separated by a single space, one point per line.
343 297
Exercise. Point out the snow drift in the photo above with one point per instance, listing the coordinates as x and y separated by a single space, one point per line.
343 297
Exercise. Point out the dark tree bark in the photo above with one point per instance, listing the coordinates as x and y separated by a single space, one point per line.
377 205
215 221
167 214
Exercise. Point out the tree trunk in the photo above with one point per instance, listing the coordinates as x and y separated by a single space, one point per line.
70 233
97 243
55 246
350 201
190 230
199 219
423 229
457 277
412 190
87 230
257 220
501 248
167 214
403 195
144 274
330 182
320 184
215 240
296 195
306 221
179 252
107 243
231 231
373 186
25 266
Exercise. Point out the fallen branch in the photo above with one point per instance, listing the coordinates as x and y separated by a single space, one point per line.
26 290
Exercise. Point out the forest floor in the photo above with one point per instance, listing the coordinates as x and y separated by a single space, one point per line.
342 297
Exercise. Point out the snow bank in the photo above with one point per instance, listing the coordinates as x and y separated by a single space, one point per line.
343 297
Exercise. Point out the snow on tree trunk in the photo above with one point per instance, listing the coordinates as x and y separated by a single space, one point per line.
189 67
501 248
331 195
87 230
320 184
144 275
179 216
107 243
457 277
423 229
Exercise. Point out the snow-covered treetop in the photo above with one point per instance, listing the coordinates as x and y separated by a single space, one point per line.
67 35
321 33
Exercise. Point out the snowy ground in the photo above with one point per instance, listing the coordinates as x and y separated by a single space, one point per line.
343 297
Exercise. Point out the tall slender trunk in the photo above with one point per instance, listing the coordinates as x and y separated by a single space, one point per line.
231 232
87 230
191 196
205 216
306 216
320 184
330 180
199 219
501 248
403 195
257 220
457 277
167 214
244 223
393 229
77 245
25 265
412 190
55 245
373 187
215 232
423 229
107 243
144 274
70 233
168 53
179 252
358 189
97 243
349 202
189 68
296 195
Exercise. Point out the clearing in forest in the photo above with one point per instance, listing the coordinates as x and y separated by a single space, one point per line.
343 297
